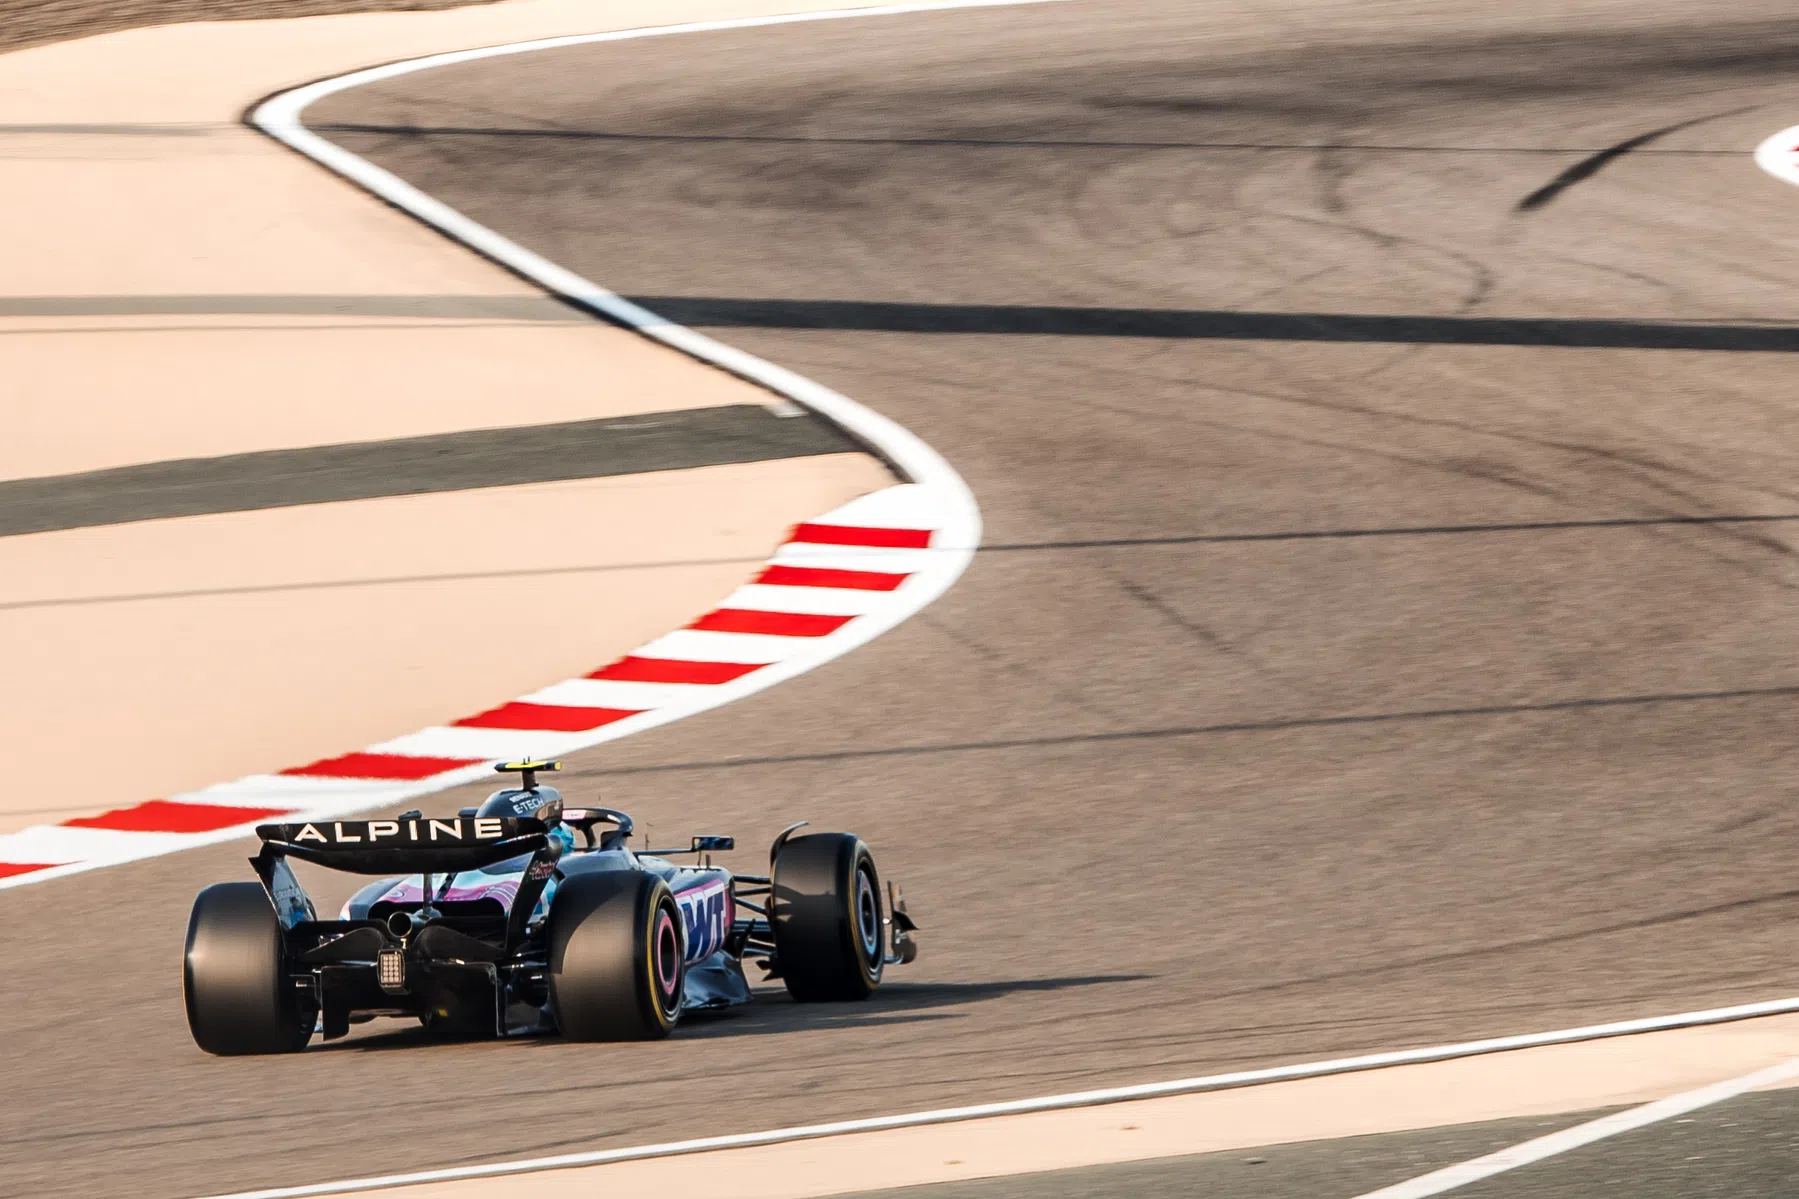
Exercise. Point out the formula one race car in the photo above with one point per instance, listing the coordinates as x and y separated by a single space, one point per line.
500 924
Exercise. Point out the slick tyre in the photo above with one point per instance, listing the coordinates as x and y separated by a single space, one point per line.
616 968
826 914
240 996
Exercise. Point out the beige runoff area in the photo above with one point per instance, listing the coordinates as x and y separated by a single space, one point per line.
127 175
1530 1082
167 655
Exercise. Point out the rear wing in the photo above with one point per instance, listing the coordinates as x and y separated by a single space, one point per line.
406 846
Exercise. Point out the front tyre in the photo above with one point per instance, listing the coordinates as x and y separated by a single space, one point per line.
826 915
616 957
239 994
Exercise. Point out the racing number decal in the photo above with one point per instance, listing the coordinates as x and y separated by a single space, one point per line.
707 913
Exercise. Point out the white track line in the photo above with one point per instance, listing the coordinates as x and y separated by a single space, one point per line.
1779 155
1048 1103
1460 1175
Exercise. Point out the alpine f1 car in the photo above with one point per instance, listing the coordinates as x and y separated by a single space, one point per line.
498 922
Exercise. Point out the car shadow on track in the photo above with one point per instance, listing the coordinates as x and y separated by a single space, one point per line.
770 1012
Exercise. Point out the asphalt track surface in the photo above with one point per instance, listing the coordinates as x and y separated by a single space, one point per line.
1355 661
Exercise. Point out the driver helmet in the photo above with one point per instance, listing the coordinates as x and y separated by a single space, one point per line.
536 803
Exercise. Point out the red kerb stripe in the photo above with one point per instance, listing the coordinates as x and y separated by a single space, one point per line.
887 539
381 766
161 816
553 717
777 624
673 670
816 576
8 869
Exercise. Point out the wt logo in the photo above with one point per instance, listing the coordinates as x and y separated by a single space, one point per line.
708 919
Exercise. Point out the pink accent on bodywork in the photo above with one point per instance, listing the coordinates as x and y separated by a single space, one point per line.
505 890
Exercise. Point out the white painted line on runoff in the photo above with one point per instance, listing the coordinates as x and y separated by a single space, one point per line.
1461 1174
1779 155
1048 1103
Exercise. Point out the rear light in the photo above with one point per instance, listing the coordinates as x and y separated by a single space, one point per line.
390 971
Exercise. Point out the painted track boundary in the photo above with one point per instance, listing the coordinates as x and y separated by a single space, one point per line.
1047 1103
1779 155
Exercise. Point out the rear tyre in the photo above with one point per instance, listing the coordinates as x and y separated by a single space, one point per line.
826 914
239 994
616 958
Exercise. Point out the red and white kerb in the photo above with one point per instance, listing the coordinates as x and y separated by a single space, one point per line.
835 583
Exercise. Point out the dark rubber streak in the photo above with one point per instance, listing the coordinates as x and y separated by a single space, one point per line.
1590 166
877 316
1526 526
1210 730
1034 143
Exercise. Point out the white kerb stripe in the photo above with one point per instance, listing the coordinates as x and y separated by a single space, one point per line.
1463 1173
611 693
484 744
62 843
853 557
295 792
814 601
895 508
744 649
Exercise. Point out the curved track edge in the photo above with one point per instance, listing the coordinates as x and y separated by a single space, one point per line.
839 580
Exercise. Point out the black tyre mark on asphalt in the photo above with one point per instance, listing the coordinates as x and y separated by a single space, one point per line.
1210 730
410 132
1527 526
363 470
1590 166
1524 944
872 316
